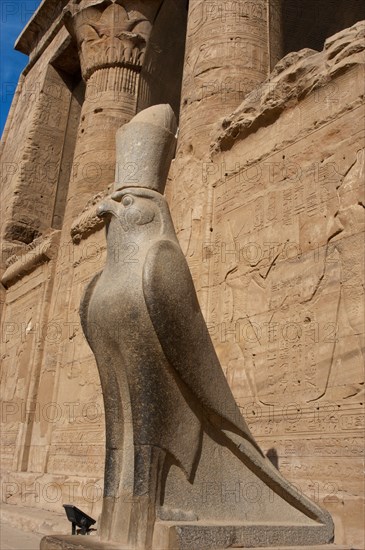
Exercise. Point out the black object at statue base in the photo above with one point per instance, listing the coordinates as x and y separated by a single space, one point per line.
78 518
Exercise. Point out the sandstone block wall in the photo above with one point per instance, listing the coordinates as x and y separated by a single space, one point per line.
279 262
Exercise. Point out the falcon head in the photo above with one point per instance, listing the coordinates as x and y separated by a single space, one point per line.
137 210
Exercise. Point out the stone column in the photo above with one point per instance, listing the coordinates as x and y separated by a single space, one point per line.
230 48
275 32
111 39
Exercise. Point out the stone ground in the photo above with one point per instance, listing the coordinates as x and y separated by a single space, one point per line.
21 527
12 538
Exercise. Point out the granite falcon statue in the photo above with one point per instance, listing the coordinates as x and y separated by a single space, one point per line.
168 406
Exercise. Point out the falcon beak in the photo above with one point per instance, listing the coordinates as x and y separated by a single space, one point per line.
106 208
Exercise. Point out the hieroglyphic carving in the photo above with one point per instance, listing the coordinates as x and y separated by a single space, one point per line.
39 252
287 339
38 167
78 448
77 440
21 338
8 442
285 280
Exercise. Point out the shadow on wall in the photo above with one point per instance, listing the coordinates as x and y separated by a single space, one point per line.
308 24
273 456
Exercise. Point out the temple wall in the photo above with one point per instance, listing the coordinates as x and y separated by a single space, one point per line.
52 410
281 268
32 152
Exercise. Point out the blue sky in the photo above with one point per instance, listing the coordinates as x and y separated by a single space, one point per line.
14 15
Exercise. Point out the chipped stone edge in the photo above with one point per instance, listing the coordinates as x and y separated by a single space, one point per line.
291 81
32 43
41 251
88 222
85 225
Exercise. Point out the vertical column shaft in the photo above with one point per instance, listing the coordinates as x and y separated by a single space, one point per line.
230 48
110 102
111 40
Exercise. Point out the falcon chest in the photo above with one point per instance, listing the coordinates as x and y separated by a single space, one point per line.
117 302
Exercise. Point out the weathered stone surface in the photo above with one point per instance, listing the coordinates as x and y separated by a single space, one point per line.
293 78
91 543
76 543
33 519
262 235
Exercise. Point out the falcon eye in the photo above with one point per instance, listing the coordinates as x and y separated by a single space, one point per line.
127 200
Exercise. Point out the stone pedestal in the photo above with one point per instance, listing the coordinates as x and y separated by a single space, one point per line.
93 543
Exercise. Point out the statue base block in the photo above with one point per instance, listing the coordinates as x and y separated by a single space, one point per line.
205 536
59 542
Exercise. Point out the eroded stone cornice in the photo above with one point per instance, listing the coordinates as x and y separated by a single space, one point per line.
43 23
42 250
295 76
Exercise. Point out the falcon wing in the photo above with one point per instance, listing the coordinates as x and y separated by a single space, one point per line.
181 329
175 313
84 305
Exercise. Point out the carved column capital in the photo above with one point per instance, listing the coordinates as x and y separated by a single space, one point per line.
110 33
